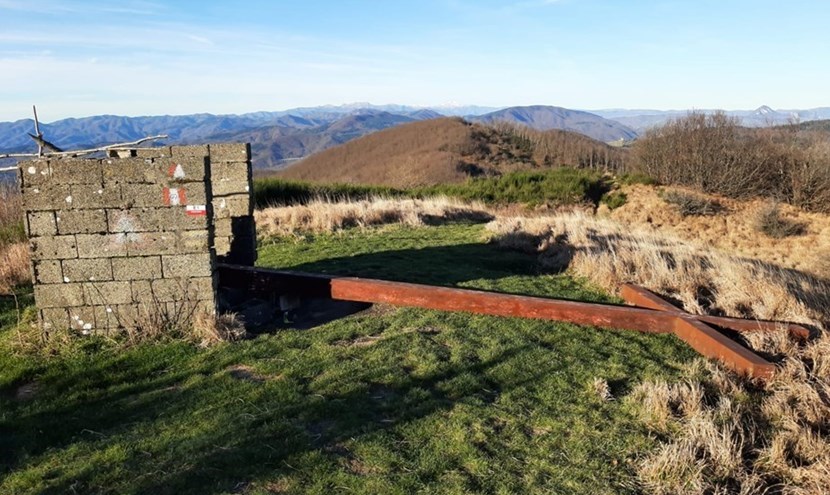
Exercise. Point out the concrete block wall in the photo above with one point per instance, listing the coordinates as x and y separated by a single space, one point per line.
116 242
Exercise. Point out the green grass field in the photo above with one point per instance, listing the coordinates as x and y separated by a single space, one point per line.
384 401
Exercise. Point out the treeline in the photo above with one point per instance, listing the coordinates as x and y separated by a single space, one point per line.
713 153
558 148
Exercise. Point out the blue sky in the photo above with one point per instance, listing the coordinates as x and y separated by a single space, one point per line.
134 57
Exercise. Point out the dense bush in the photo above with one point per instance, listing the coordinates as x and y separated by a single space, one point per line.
554 187
770 222
692 204
273 191
713 153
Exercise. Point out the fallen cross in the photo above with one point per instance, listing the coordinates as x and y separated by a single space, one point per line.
647 313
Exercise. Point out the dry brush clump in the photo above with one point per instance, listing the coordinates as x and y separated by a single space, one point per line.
326 216
722 434
714 154
14 266
704 281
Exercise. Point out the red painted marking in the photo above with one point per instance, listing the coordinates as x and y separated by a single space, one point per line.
196 210
174 196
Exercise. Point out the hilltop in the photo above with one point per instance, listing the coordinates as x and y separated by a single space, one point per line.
545 118
448 150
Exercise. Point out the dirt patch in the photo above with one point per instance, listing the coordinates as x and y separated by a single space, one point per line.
246 373
363 341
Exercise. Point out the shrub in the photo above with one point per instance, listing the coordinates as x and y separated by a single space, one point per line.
770 222
272 191
614 200
554 187
692 204
714 154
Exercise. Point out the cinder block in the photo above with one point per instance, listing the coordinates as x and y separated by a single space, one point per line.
232 206
151 243
228 187
48 272
172 290
192 241
59 295
182 169
129 170
35 173
187 265
234 172
143 195
87 270
76 171
53 248
154 220
154 152
83 196
141 268
103 245
82 222
198 151
129 221
123 315
54 319
222 245
82 319
107 293
230 152
53 197
105 318
41 223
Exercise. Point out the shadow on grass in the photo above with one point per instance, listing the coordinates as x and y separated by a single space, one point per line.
175 419
256 438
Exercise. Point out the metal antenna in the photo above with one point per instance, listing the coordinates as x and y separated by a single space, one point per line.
38 134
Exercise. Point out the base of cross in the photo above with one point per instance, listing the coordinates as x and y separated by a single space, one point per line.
646 312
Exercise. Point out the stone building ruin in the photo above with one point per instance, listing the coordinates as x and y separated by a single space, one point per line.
119 239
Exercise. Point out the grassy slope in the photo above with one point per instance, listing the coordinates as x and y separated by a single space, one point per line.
385 401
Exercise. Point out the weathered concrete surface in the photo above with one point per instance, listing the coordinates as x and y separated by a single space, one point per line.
114 239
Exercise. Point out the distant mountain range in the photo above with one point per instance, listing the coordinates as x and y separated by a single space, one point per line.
641 120
544 118
282 137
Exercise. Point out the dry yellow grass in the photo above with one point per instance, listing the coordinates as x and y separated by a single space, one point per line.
326 216
702 279
14 266
735 229
725 435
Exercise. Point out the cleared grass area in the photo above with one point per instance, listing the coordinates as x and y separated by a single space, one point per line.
385 401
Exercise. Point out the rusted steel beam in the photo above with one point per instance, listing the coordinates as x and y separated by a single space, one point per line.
445 298
644 298
657 317
496 304
715 345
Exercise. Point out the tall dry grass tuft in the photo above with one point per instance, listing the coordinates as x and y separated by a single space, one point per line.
326 216
703 281
14 266
723 434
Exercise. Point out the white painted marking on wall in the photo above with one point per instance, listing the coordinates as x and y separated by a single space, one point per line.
69 199
175 200
178 173
32 170
196 210
66 279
